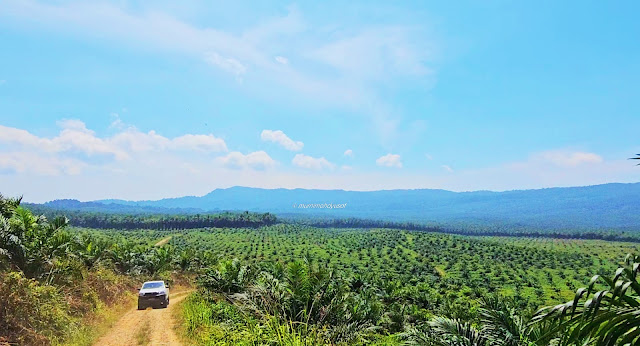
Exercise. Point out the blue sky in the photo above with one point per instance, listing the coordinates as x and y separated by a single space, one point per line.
144 100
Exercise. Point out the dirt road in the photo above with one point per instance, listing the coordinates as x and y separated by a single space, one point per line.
163 241
145 327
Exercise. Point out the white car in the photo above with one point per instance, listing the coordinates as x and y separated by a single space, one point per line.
153 293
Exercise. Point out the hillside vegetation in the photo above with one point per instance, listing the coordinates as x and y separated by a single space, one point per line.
608 206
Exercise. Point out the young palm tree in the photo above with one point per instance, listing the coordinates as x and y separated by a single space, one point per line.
501 324
8 205
30 243
228 277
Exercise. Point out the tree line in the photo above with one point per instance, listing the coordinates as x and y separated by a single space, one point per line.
158 221
471 229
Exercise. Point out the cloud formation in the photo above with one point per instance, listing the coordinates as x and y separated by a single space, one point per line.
389 160
447 168
565 158
282 60
39 164
313 163
356 62
225 63
64 153
348 153
255 160
281 139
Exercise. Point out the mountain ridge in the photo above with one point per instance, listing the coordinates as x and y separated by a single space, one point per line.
605 206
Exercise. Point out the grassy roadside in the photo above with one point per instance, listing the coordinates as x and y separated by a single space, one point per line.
179 322
96 324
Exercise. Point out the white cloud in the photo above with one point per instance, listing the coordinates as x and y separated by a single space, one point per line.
29 162
137 142
348 153
447 168
226 63
565 158
310 162
389 160
116 122
75 138
204 143
282 60
282 139
428 156
255 160
375 53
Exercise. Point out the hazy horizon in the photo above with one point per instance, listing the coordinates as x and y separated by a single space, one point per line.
302 188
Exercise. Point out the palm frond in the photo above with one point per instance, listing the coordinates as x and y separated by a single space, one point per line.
457 333
610 316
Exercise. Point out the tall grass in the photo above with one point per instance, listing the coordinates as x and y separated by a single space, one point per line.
36 313
210 321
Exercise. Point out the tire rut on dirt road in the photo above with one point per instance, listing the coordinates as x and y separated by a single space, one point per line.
153 326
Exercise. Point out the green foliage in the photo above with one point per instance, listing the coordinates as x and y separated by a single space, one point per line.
228 277
31 244
50 278
31 313
608 315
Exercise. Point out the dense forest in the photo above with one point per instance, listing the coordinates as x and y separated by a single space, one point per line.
296 284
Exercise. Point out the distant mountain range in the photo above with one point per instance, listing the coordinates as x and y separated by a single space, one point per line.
608 206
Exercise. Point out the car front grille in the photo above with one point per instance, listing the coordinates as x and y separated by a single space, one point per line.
152 294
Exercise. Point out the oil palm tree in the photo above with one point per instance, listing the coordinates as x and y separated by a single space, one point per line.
8 205
31 243
500 324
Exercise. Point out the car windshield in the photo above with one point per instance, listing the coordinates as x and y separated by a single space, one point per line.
152 285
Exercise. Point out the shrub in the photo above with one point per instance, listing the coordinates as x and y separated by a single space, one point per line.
31 313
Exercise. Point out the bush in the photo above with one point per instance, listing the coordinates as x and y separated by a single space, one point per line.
31 313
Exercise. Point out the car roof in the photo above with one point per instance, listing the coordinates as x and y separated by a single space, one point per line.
148 282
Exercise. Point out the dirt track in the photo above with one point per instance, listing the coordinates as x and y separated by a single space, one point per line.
146 327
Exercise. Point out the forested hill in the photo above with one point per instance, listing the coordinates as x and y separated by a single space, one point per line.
608 206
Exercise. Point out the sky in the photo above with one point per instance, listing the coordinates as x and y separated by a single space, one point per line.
153 99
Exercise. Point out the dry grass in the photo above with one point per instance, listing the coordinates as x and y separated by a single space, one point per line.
143 334
99 323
